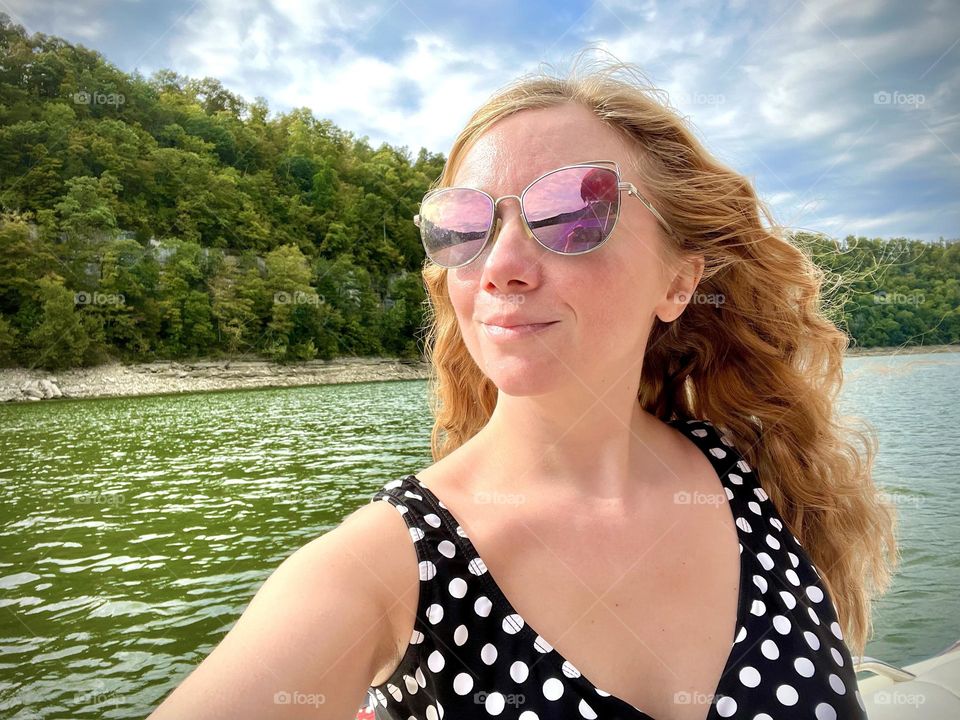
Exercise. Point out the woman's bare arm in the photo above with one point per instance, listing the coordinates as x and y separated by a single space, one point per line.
316 633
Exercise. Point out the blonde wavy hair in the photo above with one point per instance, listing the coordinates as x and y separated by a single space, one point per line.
764 365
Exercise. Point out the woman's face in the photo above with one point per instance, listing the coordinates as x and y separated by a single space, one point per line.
602 304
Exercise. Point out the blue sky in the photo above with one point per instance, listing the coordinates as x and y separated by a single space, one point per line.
845 115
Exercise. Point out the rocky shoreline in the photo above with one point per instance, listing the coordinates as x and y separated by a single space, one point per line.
159 378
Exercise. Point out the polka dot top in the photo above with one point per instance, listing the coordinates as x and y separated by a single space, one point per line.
472 655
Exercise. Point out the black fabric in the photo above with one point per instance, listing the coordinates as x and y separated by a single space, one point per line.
473 656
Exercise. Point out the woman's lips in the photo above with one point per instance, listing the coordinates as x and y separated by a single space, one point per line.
497 332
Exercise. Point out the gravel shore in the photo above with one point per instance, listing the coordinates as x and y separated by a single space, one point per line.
117 380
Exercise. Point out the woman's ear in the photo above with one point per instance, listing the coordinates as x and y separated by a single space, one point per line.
681 289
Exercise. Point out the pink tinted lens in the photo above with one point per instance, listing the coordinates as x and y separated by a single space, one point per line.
454 225
573 210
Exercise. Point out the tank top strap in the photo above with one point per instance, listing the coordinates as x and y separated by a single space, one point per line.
445 568
739 479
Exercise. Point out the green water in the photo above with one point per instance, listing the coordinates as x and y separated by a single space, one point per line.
135 531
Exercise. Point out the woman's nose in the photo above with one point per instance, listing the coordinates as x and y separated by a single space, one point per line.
514 254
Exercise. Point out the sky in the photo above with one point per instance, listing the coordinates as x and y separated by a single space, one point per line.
844 115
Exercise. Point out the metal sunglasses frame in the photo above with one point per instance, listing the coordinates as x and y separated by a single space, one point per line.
622 185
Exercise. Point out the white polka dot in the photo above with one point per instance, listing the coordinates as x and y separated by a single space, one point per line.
718 452
759 492
394 692
416 533
586 711
782 624
494 703
812 640
837 657
765 560
749 676
813 615
758 607
411 684
436 662
787 695
743 524
447 548
552 689
824 711
416 638
835 629
512 624
488 653
519 671
477 566
432 520
421 678
803 666
435 613
482 606
741 635
427 570
837 684
735 479
726 706
462 683
760 582
762 716
528 715
541 645
569 670
460 635
792 577
770 650
743 465
458 587
754 507
773 542
788 599
432 713
815 593
794 560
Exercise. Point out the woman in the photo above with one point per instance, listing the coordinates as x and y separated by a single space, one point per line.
643 503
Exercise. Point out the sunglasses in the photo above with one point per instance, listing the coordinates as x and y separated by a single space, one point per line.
570 211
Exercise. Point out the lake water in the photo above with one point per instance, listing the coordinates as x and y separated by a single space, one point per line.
136 530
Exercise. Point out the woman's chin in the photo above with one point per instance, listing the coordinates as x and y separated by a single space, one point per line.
522 377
